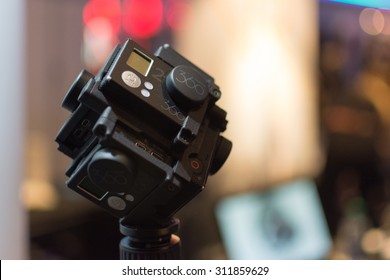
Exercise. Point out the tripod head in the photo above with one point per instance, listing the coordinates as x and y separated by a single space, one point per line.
144 134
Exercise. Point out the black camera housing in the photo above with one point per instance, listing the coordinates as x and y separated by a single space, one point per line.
144 134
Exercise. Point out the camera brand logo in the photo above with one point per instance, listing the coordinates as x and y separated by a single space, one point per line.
131 79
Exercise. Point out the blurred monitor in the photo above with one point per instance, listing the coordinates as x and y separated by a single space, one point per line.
380 4
286 222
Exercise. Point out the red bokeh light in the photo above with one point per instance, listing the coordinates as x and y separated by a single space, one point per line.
110 10
176 12
142 18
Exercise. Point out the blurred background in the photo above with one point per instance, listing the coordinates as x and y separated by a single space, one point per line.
306 85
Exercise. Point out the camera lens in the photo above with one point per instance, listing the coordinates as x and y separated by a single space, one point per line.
222 152
112 171
186 86
70 101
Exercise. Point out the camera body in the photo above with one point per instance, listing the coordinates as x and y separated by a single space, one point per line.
144 134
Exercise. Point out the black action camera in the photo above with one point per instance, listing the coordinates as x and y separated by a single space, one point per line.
144 134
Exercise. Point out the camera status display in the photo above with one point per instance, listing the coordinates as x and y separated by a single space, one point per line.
139 62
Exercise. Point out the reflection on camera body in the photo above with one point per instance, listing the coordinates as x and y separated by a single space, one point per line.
144 134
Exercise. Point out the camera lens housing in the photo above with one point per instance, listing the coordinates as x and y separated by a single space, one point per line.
144 133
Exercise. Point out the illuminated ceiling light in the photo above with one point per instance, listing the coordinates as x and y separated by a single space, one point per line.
142 18
372 21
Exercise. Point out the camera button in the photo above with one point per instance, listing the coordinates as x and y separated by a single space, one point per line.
145 92
116 203
129 197
148 85
131 79
196 165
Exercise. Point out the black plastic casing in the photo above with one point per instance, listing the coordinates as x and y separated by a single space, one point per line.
143 144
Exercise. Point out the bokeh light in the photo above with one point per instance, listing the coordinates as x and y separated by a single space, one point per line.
372 241
142 18
372 21
109 10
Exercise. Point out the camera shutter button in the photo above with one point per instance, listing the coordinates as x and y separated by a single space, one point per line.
186 86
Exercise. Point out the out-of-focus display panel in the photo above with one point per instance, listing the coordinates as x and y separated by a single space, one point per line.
286 222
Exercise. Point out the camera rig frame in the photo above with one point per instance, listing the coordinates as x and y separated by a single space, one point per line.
144 134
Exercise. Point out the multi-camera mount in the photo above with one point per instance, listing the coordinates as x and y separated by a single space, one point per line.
144 135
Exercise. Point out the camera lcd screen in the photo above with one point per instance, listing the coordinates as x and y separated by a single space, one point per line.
87 186
139 62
